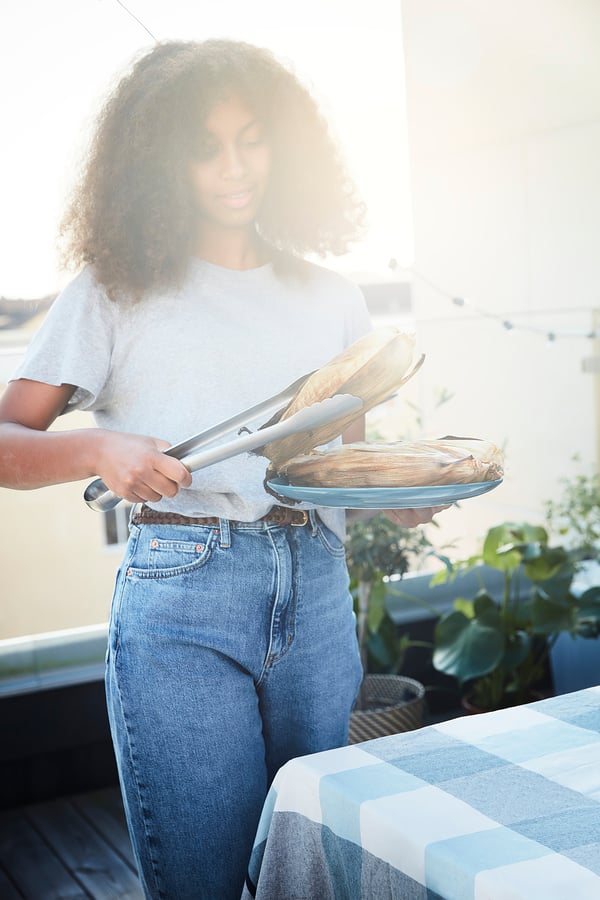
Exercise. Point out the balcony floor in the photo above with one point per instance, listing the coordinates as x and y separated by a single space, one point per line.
72 847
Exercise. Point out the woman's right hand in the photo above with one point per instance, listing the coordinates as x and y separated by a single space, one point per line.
132 466
135 468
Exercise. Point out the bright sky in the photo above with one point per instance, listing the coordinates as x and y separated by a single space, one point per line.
57 58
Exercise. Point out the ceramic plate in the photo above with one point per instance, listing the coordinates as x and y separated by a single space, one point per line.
385 497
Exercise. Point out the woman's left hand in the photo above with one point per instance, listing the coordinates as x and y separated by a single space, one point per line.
409 518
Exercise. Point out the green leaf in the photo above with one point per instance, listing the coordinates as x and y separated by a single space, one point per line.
440 577
464 606
442 557
466 649
376 611
530 551
590 598
588 613
486 610
549 562
505 545
497 539
548 615
386 649
378 547
518 648
559 585
529 533
380 650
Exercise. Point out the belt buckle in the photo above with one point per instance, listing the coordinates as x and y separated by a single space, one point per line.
304 519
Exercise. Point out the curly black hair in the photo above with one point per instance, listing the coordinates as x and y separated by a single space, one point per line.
132 215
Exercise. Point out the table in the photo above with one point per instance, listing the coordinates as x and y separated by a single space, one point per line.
502 806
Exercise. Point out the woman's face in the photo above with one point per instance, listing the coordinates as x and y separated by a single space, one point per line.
230 170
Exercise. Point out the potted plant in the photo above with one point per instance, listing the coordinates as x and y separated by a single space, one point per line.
387 703
575 517
498 648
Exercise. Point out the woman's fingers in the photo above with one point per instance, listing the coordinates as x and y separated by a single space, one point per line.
169 473
166 484
165 479
410 518
135 468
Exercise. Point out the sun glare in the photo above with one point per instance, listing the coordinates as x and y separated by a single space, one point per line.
57 60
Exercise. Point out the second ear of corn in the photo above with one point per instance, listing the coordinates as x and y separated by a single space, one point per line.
373 368
448 460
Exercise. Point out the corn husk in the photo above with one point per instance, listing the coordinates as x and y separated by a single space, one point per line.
448 460
372 368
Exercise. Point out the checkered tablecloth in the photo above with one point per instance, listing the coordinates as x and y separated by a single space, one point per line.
501 806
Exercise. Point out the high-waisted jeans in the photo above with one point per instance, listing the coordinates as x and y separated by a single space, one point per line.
231 650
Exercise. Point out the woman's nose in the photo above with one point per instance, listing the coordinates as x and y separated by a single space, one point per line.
233 165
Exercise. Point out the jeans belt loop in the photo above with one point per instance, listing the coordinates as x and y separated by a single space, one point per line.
135 508
225 539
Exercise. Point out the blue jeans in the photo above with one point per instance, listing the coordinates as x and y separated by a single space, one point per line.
231 650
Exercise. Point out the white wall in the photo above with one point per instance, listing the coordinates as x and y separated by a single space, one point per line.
56 569
503 105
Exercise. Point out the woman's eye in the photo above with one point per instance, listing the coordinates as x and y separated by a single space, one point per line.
253 140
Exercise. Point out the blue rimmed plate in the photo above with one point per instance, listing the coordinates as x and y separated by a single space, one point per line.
384 497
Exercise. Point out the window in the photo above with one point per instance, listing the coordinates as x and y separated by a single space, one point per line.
116 524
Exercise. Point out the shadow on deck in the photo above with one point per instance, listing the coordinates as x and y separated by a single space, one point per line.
72 847
62 826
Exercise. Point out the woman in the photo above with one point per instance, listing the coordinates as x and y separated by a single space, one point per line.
232 644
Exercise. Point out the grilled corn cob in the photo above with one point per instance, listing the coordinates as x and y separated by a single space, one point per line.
372 368
448 460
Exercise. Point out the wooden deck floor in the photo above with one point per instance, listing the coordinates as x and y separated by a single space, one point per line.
73 847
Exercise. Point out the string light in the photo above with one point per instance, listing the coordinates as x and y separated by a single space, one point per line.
508 324
139 21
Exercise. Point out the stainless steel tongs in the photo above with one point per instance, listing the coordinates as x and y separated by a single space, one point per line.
196 453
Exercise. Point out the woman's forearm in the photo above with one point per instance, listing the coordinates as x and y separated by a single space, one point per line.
132 466
33 459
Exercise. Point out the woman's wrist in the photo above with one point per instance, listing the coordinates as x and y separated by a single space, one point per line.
92 449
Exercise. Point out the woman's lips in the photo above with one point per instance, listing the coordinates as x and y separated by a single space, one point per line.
236 199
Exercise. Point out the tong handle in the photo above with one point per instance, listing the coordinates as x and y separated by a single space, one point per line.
99 497
305 419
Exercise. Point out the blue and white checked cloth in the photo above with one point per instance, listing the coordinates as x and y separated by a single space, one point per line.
500 806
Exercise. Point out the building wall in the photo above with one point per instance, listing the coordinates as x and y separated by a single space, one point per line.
57 571
503 105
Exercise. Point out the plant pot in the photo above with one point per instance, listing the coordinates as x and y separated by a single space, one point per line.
473 710
575 661
389 704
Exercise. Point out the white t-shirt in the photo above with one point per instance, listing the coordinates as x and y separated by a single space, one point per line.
180 361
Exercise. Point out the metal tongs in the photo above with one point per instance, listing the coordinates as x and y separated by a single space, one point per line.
196 453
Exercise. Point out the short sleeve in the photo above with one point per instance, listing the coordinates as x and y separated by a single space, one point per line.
74 343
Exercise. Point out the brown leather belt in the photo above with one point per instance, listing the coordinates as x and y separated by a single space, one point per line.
281 515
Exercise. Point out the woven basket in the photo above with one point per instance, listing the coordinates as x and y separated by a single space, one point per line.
390 704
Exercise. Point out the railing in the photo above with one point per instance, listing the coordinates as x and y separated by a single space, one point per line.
411 598
76 655
53 659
